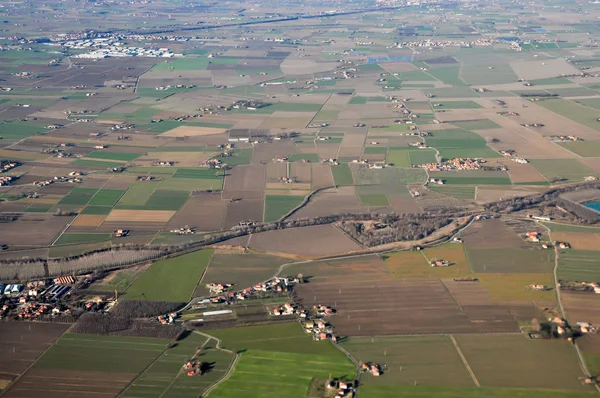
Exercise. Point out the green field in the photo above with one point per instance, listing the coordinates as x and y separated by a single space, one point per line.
400 158
165 377
122 156
457 105
239 157
78 196
587 149
427 360
182 64
276 206
482 124
202 173
464 178
342 174
17 130
173 279
522 363
421 156
78 352
166 200
72 238
448 74
573 111
371 391
309 157
453 143
374 199
562 170
106 197
388 175
138 193
579 265
511 260
98 164
278 356
191 184
458 192
38 208
374 150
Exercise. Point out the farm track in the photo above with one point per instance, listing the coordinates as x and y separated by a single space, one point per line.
580 357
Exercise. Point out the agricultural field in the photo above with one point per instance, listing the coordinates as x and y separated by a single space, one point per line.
299 145
278 354
174 279
93 365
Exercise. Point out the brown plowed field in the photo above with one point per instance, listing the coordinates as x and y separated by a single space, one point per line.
156 216
268 152
247 182
88 220
205 212
315 241
275 171
331 201
581 307
301 171
321 176
487 234
243 210
367 308
51 383
34 229
24 342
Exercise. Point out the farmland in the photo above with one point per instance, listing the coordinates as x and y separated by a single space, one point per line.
281 354
171 280
413 166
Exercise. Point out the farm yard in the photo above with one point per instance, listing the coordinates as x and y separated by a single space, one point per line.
411 168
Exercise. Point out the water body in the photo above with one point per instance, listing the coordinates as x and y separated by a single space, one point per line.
593 205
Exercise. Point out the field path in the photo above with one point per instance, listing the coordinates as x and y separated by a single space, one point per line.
582 363
231 366
464 360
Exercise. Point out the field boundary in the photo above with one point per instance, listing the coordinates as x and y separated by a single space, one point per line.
464 361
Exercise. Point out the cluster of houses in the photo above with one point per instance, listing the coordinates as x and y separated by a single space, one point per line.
168 87
512 155
224 295
146 178
166 163
455 164
419 145
167 319
192 368
564 138
185 230
287 309
35 299
320 330
121 233
72 178
436 181
6 180
341 388
122 126
372 368
214 163
6 165
288 180
429 43
439 263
